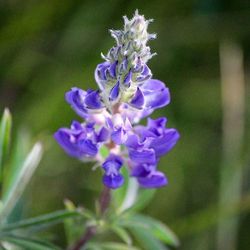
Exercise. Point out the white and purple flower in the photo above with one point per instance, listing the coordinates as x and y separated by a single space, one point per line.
127 93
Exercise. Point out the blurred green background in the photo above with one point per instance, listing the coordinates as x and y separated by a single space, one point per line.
203 48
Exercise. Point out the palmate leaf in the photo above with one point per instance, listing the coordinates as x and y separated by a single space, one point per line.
5 133
154 227
21 178
41 221
29 243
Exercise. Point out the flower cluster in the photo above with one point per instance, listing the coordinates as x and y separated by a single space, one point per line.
127 93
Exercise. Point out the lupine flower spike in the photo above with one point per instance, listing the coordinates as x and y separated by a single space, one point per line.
127 93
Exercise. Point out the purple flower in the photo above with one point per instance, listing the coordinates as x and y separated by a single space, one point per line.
148 176
76 141
155 93
112 177
84 102
162 139
128 79
127 93
101 74
138 99
145 74
142 156
114 92
120 128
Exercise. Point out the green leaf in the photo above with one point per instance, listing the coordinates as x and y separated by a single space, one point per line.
2 248
126 196
118 195
146 239
109 246
144 196
74 227
29 243
130 197
5 132
152 226
122 233
21 149
42 221
104 151
20 181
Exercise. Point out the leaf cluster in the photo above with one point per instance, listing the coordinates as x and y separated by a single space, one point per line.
122 227
16 170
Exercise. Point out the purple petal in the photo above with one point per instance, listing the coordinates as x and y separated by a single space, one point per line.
155 93
153 180
157 123
145 74
100 74
144 132
112 178
101 69
112 69
103 135
138 66
157 126
138 99
113 181
93 100
109 123
146 70
88 148
63 139
142 156
119 136
75 97
165 143
128 79
112 161
73 146
124 64
75 125
139 171
90 126
133 142
114 92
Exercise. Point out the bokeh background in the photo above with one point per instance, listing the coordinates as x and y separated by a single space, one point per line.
203 48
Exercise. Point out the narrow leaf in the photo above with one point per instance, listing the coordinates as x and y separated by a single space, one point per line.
29 243
27 169
131 195
144 196
42 221
154 227
118 195
146 239
18 155
74 227
109 246
5 132
126 196
123 234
